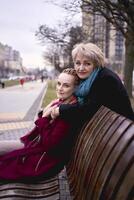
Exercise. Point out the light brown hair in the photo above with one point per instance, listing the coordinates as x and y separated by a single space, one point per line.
72 72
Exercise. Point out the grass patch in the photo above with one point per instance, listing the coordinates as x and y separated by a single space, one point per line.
9 83
50 94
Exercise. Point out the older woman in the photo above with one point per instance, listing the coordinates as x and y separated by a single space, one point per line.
99 86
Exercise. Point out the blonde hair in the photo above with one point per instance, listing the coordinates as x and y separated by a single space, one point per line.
72 71
91 51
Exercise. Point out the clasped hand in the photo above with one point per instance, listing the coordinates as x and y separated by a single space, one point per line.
52 111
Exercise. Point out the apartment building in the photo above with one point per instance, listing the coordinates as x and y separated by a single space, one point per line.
110 40
10 60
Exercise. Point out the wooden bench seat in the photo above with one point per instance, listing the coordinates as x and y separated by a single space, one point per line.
43 190
102 162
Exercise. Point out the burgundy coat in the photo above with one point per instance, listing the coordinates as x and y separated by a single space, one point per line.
43 154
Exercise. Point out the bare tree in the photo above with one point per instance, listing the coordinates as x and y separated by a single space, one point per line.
60 43
75 35
120 14
52 57
54 41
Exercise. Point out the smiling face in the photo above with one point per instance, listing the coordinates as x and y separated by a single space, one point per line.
65 86
83 66
86 58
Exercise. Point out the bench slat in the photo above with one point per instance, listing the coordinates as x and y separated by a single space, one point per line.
102 159
45 190
79 145
91 148
115 147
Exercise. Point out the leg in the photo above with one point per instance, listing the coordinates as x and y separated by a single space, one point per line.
10 145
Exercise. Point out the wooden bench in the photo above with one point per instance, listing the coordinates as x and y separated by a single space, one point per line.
43 190
101 165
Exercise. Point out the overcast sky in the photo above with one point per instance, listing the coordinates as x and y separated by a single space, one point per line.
19 19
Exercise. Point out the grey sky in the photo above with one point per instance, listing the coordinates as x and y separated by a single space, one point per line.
19 19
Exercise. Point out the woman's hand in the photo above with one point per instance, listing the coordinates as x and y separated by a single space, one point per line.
52 111
47 112
49 105
55 112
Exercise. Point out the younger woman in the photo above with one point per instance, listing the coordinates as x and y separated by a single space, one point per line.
46 147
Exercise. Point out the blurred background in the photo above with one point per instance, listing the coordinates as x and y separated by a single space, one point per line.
37 37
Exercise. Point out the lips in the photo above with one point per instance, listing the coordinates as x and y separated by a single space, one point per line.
82 73
60 93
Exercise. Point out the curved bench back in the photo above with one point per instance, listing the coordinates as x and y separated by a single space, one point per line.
102 162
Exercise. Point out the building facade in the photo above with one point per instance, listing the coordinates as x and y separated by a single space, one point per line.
110 40
10 60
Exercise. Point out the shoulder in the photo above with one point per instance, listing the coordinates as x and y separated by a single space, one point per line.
106 72
108 76
108 81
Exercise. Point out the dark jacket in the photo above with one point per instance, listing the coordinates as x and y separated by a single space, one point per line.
107 90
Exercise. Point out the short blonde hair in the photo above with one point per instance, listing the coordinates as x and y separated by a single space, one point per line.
91 51
72 72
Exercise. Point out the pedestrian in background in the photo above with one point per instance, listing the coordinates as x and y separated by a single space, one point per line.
2 84
22 80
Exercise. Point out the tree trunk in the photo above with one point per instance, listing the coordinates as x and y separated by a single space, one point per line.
129 63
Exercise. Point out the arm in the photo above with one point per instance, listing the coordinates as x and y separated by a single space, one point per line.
117 97
52 139
78 112
55 135
30 136
107 90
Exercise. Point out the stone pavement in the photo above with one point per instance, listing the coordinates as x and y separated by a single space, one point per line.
19 107
18 110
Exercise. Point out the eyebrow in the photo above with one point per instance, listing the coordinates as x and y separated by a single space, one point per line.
63 82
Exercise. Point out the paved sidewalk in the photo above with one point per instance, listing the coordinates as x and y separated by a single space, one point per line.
19 107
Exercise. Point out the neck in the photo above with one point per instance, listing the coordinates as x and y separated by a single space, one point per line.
69 100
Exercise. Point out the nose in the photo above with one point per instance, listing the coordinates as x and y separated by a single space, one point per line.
60 87
81 67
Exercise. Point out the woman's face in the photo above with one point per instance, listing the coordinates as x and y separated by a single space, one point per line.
65 86
83 66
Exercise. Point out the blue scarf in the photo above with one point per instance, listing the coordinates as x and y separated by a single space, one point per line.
84 87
